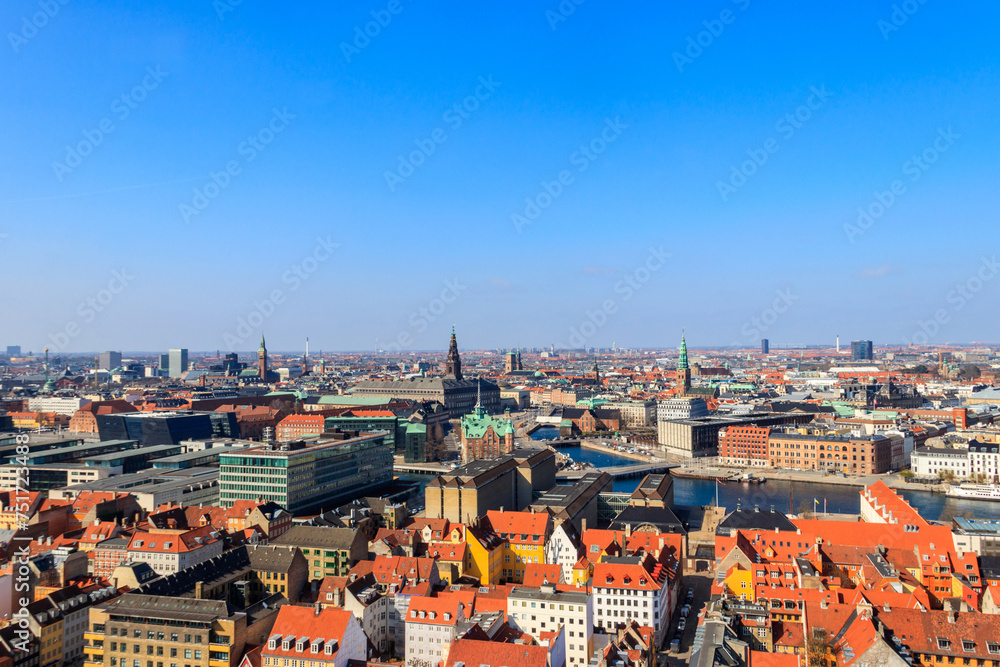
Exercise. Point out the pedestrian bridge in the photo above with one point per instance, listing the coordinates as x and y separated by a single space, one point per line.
621 472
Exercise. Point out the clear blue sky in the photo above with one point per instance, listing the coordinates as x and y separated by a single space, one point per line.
220 75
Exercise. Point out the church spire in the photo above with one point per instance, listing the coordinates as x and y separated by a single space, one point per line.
682 360
683 370
453 363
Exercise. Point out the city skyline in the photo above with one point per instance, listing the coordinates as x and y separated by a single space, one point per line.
226 168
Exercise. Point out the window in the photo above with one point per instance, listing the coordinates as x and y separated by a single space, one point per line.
968 645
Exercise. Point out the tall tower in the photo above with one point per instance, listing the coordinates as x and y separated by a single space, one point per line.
305 359
519 366
262 360
453 364
683 370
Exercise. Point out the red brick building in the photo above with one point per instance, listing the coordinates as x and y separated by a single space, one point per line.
297 426
744 445
867 455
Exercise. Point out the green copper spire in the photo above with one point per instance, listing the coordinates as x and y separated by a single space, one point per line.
262 341
682 360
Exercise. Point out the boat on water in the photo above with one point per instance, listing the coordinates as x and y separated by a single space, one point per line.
975 491
749 478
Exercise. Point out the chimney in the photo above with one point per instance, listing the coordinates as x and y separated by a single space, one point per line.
319 608
583 525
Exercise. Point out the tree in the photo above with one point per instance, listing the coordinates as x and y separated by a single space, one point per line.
946 475
907 475
970 372
818 648
805 510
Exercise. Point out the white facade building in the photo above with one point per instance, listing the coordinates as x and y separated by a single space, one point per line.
681 408
535 611
626 588
563 549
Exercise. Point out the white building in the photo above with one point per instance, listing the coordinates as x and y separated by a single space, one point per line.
681 408
361 597
563 549
634 413
535 611
632 587
318 637
976 460
431 628
929 461
170 552
62 406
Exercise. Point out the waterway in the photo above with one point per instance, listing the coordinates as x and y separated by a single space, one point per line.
837 499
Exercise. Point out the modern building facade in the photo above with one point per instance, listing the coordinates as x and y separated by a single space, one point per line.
109 360
178 360
338 467
861 350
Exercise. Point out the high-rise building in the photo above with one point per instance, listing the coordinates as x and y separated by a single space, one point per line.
13 350
765 345
861 350
109 360
164 364
178 360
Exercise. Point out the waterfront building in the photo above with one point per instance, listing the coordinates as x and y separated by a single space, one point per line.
509 482
336 468
485 437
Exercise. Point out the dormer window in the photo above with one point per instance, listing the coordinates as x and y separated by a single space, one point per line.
284 645
328 649
968 645
300 645
943 643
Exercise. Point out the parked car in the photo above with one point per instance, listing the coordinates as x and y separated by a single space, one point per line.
675 646
686 610
681 625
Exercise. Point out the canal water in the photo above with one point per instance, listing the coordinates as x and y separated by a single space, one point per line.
838 499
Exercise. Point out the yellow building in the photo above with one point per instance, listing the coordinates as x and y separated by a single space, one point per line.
583 572
484 551
46 622
739 582
526 535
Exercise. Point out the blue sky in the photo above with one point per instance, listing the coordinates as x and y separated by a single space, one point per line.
203 81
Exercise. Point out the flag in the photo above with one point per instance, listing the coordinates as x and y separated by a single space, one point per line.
720 482
815 502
